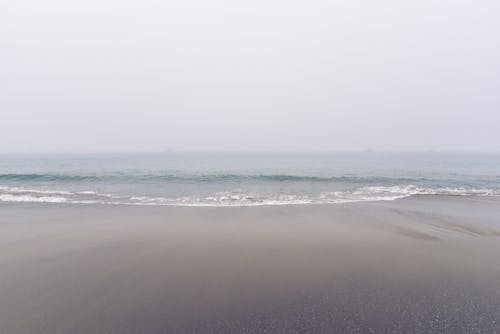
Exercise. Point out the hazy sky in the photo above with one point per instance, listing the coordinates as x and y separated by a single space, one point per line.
122 75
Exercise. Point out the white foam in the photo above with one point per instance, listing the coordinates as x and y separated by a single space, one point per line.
237 198
33 191
27 198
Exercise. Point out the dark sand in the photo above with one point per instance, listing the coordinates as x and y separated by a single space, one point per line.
420 265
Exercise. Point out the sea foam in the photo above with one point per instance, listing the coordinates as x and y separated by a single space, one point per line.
237 198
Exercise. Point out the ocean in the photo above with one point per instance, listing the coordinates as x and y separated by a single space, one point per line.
243 179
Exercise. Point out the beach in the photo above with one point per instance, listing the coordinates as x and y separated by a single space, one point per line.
249 167
424 264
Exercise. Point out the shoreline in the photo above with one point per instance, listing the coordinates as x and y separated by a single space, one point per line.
492 198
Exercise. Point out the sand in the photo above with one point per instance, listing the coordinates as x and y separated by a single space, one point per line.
419 265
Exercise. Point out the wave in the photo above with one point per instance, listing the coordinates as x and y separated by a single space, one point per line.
26 198
215 177
47 177
239 198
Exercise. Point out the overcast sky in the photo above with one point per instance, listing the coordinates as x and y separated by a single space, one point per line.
145 75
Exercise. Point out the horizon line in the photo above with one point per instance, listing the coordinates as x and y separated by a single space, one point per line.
173 151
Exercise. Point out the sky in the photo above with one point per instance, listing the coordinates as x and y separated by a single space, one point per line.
149 75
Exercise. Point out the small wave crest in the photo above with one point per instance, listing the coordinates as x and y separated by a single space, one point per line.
48 177
202 178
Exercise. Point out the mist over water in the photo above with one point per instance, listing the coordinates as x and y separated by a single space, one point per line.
261 75
243 179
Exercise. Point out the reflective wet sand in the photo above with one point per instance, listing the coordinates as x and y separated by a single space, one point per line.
420 265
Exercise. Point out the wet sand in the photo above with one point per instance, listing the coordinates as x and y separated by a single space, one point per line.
419 265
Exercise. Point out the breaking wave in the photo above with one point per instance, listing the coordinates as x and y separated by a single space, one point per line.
238 198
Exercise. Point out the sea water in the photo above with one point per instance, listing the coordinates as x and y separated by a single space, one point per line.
243 179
